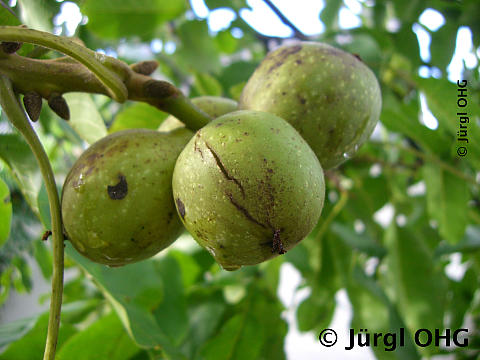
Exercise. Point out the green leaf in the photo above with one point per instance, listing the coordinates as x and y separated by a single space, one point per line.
24 282
85 118
462 293
37 14
44 207
408 11
28 338
197 49
329 14
406 43
136 116
190 269
205 84
8 16
360 242
374 310
316 312
240 338
18 156
225 42
134 291
236 73
442 46
299 257
418 284
12 331
44 258
447 197
128 18
234 4
250 332
104 339
442 96
171 313
469 243
205 317
5 212
404 118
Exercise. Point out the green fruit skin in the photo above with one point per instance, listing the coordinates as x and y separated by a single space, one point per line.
214 106
330 96
114 224
244 181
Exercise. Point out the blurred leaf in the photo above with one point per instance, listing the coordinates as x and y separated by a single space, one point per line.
419 286
442 97
360 242
24 283
237 72
406 43
190 269
8 16
37 14
329 14
171 313
316 312
43 258
234 4
85 118
442 45
244 334
235 91
104 339
44 207
5 212
462 293
12 331
133 297
365 46
447 198
225 42
138 116
28 338
204 319
408 11
374 310
17 154
129 18
205 84
197 50
469 243
298 256
404 119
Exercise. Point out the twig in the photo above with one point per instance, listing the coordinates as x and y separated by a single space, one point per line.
296 31
16 115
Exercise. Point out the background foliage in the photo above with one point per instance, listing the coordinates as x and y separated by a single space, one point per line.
180 305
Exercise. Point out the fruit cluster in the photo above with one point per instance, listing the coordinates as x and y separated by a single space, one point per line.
248 186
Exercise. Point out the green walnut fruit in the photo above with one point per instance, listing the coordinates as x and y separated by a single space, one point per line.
330 96
117 204
248 187
214 106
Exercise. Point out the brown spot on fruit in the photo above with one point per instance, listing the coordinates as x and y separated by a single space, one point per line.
277 245
120 190
180 207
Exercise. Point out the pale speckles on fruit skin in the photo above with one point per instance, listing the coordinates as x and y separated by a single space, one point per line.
340 93
117 204
251 200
